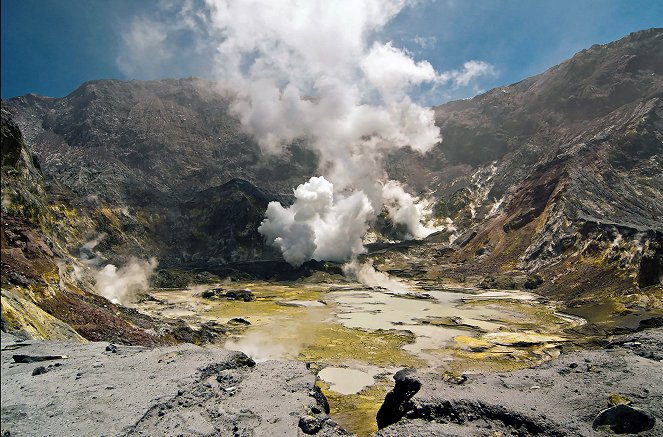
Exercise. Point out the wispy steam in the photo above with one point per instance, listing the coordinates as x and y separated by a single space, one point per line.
120 285
87 253
280 338
367 275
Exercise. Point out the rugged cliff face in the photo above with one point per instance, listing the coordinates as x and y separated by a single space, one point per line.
558 175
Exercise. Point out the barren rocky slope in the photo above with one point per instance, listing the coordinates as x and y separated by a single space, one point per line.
103 389
558 175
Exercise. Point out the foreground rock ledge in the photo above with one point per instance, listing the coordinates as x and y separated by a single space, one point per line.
182 390
569 396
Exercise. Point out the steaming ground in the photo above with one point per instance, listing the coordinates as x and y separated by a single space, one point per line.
120 285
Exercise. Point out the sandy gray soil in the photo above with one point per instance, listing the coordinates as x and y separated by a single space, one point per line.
561 397
191 391
183 390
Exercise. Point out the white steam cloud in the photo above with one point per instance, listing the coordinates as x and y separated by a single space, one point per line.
318 226
314 70
367 275
120 285
307 70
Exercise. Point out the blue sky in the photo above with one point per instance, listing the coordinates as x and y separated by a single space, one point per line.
50 47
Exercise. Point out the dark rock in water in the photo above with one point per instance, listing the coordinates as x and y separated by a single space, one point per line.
397 402
209 294
420 296
244 295
624 419
39 370
207 333
221 293
36 358
238 321
111 348
310 424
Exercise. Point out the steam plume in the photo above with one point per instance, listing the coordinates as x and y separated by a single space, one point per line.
314 74
314 70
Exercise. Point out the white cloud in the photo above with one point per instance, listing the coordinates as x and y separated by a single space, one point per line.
144 48
317 226
393 71
471 70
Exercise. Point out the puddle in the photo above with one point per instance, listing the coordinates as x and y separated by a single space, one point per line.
304 303
344 380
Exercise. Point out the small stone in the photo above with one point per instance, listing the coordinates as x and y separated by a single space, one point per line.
310 424
617 399
239 321
39 371
111 348
315 410
573 365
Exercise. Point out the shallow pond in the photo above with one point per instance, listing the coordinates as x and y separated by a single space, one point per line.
359 337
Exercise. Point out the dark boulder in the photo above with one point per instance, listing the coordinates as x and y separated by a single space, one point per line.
397 402
310 424
39 370
221 293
